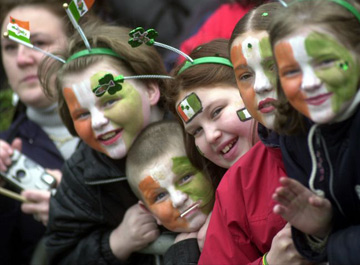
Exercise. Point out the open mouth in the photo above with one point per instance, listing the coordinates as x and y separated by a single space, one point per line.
109 137
228 147
191 209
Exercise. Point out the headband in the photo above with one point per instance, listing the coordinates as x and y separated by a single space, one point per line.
94 51
206 60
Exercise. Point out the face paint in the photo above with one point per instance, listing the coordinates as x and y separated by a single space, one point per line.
109 123
256 79
189 107
219 134
319 76
172 188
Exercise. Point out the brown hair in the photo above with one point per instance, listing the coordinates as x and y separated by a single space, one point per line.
202 75
328 15
143 60
153 142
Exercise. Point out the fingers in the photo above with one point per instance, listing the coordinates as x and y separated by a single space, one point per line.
17 144
5 155
56 173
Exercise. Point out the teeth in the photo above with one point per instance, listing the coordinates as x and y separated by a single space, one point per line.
108 136
228 147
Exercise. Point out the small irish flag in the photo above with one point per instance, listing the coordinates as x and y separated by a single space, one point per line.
19 30
189 107
243 114
78 8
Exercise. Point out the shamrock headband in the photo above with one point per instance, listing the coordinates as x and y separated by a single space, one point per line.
139 36
206 60
94 51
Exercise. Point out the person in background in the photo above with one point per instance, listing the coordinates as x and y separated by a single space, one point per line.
37 130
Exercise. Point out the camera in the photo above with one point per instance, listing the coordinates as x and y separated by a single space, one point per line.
25 174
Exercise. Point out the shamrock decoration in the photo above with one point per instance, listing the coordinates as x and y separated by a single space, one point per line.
140 36
108 84
344 66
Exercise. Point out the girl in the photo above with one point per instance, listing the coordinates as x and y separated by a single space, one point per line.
242 217
318 58
94 216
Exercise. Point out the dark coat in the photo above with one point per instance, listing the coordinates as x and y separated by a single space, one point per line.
337 150
90 202
20 232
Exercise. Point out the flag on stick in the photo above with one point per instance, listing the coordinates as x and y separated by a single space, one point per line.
80 8
19 30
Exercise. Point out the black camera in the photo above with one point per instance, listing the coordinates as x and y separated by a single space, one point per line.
25 174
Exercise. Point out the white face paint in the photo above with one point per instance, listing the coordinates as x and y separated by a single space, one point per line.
317 97
254 66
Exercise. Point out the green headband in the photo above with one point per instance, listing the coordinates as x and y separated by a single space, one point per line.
94 51
204 60
345 4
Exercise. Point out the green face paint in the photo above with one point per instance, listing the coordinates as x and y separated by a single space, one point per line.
268 64
200 187
335 66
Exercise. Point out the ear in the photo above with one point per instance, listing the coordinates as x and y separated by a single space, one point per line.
144 207
153 92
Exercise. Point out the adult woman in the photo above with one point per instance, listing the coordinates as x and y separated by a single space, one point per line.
37 132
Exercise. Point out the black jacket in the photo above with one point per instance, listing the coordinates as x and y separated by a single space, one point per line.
337 152
90 202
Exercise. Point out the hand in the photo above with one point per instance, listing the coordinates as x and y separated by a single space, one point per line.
302 208
6 152
136 231
38 205
283 251
202 233
56 173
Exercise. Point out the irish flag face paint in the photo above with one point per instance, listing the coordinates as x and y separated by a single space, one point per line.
318 74
189 107
109 123
178 195
253 63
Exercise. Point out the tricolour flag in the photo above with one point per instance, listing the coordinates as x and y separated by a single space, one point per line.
19 30
78 8
189 107
243 114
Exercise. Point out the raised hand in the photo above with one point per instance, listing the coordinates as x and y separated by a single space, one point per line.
38 205
302 208
136 231
6 150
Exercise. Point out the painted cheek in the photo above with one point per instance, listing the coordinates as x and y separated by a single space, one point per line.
167 214
82 127
291 86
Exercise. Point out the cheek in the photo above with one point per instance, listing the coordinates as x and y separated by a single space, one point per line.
292 87
86 133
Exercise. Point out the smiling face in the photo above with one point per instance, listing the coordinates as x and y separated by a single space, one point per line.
213 120
109 123
253 63
21 63
179 196
319 76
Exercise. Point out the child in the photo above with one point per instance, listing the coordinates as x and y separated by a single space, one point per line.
318 59
94 216
250 232
179 195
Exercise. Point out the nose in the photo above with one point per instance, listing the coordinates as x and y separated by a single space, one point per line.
212 134
262 83
178 198
98 120
25 56
310 81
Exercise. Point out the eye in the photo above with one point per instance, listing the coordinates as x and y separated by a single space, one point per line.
186 179
326 63
290 72
39 43
110 102
245 76
196 132
161 196
216 112
10 47
82 116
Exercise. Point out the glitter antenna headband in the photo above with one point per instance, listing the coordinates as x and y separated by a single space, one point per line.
139 36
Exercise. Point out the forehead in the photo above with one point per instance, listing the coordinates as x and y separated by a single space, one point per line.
36 15
259 35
